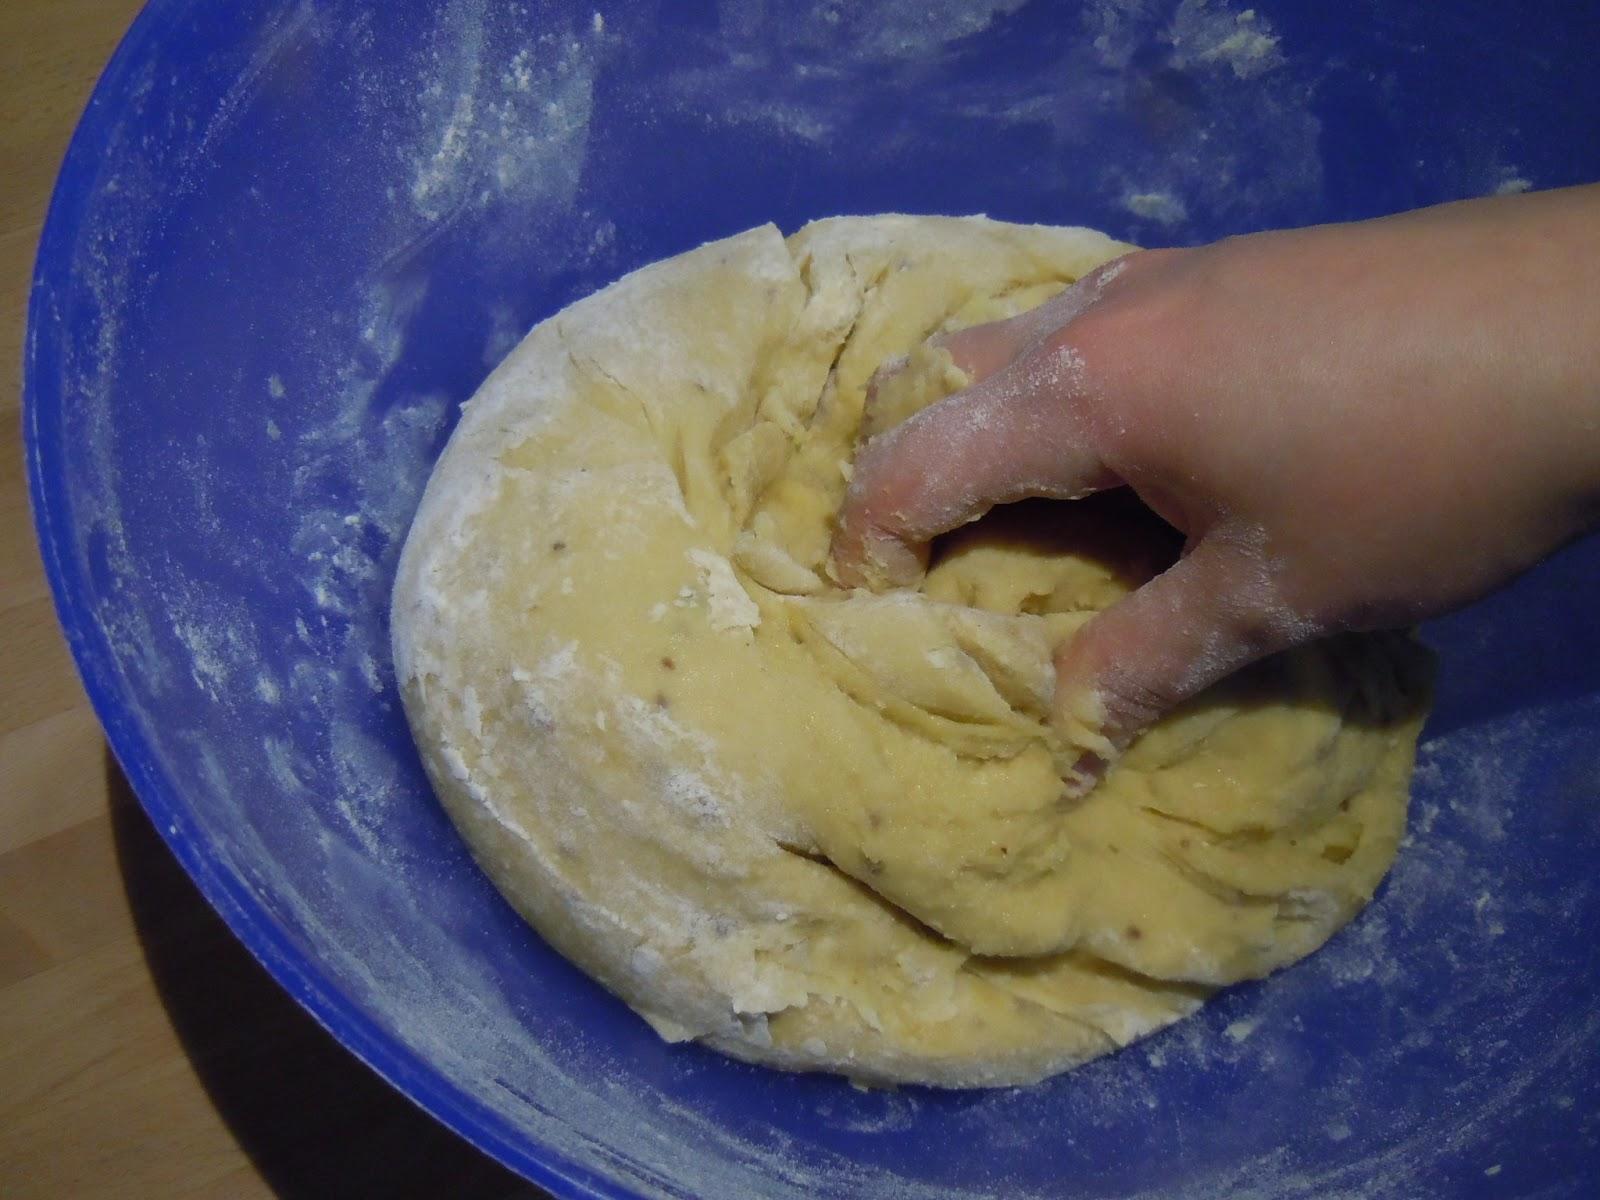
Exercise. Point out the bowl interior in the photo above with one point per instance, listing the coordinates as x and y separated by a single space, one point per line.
290 238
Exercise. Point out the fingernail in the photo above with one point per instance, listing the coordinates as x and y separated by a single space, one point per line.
1079 779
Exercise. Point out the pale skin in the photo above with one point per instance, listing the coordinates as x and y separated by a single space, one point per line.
1354 426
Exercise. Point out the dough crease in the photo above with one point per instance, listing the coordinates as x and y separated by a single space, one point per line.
825 829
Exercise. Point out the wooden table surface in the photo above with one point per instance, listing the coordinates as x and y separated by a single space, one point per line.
143 1052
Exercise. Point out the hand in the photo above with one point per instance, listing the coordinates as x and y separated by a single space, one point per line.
1355 426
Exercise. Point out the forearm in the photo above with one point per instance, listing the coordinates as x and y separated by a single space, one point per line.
1526 270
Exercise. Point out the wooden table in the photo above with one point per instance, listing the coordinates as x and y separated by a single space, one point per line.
143 1052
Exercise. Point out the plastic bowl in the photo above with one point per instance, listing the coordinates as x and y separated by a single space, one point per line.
288 240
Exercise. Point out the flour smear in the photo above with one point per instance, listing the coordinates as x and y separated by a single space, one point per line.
239 570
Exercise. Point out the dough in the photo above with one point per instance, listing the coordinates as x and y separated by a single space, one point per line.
825 829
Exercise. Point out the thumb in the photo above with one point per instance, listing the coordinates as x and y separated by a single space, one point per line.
1211 613
984 350
1016 434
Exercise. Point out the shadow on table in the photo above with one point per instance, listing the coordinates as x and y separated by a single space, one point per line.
314 1121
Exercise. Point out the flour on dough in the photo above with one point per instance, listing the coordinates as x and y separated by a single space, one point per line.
824 829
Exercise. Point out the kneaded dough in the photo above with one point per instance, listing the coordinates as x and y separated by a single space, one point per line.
825 829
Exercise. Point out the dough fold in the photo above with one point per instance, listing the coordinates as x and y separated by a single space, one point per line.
825 829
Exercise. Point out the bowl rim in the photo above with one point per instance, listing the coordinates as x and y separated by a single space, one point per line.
44 455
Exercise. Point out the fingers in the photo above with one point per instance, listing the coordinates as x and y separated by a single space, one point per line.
1008 436
984 350
1211 613
1011 436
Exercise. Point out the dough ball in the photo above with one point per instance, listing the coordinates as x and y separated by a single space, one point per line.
824 829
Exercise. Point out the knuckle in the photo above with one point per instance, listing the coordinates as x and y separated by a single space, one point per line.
1132 701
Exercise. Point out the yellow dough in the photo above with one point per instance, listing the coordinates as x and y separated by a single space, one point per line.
825 829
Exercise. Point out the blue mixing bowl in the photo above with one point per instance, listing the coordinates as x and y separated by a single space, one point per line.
291 236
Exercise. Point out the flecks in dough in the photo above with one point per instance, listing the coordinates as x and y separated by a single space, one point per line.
826 829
